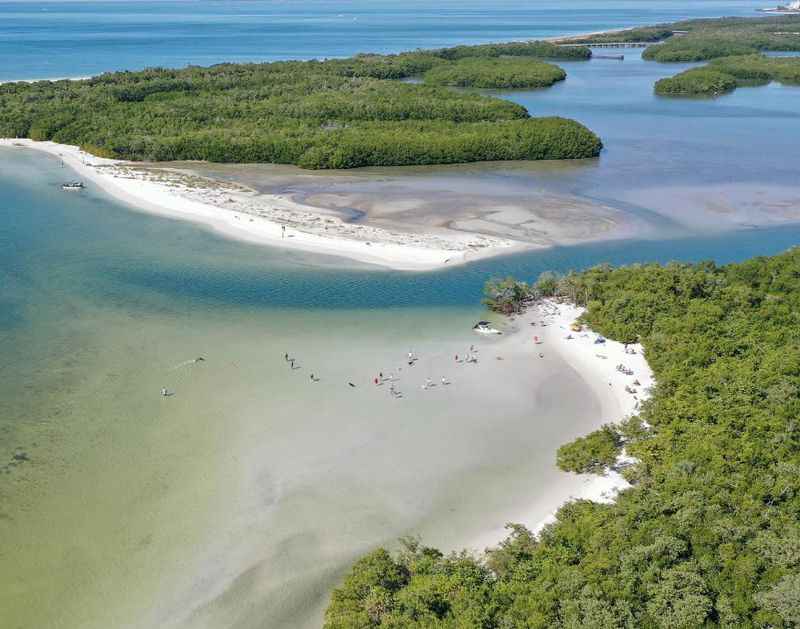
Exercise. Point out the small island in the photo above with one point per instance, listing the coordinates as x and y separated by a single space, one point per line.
339 113
726 74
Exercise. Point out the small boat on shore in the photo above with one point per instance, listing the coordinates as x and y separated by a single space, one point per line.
72 185
484 327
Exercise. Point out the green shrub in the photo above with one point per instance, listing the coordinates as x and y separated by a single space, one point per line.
696 82
591 454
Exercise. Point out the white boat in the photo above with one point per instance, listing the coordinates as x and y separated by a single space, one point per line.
484 327
72 185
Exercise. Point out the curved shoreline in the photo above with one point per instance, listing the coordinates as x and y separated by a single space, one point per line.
366 244
600 374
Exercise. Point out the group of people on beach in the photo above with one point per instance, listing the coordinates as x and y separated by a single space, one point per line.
411 359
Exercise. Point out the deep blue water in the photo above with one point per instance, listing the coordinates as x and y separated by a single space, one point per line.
69 39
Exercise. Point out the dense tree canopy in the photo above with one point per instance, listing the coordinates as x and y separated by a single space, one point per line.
704 39
495 73
340 113
743 38
705 81
728 73
708 536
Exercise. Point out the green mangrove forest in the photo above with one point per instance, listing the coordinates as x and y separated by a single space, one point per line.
495 73
726 74
735 47
339 113
709 533
705 39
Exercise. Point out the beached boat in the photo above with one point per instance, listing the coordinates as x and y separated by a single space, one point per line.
484 327
72 185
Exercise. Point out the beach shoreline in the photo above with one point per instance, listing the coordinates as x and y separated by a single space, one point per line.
596 364
241 214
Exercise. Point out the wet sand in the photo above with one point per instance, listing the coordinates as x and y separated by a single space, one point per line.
509 200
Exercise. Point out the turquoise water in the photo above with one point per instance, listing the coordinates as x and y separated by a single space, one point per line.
112 520
55 244
67 39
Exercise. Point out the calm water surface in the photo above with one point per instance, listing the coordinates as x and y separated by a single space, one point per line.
125 513
67 39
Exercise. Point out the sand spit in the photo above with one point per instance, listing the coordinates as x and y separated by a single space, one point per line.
242 213
619 397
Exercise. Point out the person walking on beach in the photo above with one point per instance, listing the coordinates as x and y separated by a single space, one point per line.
286 357
283 232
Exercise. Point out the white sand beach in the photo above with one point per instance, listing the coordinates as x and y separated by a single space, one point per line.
240 213
597 365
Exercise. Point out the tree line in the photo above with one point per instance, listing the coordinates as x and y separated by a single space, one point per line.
339 113
726 74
